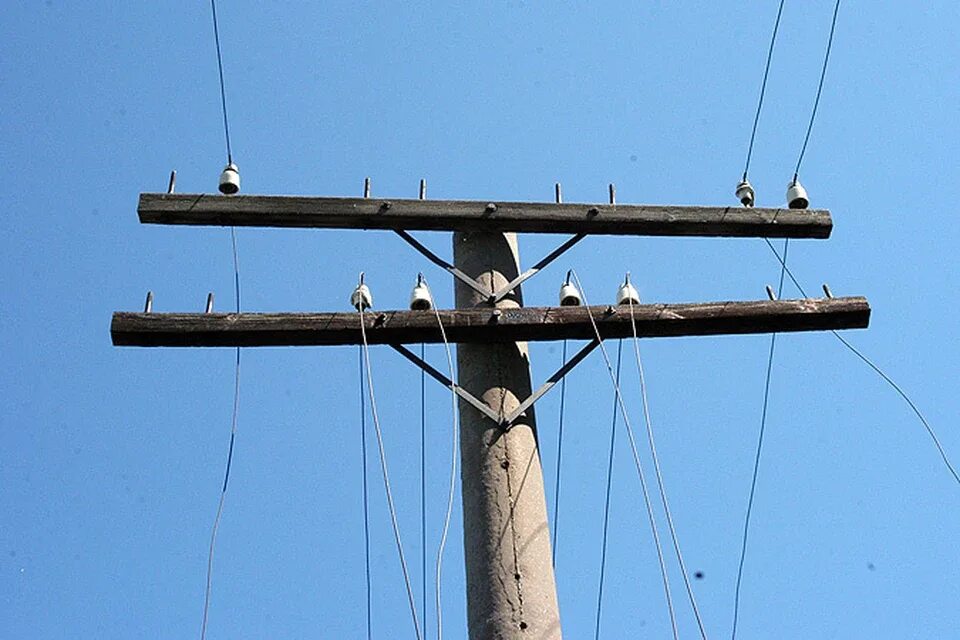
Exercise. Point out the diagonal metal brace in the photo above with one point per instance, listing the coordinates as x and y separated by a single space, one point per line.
504 291
479 405
550 383
507 421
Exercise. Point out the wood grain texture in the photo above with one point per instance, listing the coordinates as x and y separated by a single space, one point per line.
460 215
480 325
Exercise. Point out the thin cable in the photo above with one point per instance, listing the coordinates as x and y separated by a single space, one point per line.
881 373
366 499
556 487
423 487
660 484
223 93
896 387
816 103
606 501
756 460
233 436
636 460
763 90
454 451
386 477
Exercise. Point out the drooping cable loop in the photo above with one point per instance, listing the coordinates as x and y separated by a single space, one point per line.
756 459
883 375
636 459
386 474
659 474
816 102
233 436
606 500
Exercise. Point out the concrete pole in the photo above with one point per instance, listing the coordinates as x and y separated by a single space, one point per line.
511 592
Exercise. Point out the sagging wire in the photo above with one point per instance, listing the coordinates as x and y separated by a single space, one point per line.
886 378
233 436
636 459
816 102
756 460
423 487
386 475
366 495
556 487
659 475
454 451
606 501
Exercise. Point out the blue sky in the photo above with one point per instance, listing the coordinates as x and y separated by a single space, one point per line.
112 458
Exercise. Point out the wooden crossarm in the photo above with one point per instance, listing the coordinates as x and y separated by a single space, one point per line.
463 215
486 325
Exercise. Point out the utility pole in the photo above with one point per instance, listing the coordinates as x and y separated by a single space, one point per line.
511 591
506 541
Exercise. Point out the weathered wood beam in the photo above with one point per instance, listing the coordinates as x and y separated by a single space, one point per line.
484 325
461 215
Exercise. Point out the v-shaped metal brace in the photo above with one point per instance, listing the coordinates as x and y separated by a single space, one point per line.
505 290
507 421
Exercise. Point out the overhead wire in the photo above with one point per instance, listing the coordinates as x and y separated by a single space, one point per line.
763 90
423 488
556 486
223 93
386 476
366 496
756 460
636 459
606 501
816 102
454 451
233 437
880 372
659 474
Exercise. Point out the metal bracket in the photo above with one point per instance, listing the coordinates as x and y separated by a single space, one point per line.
507 421
504 291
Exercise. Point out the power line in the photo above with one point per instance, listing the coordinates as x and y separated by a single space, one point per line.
223 93
454 451
763 90
556 488
233 436
659 475
636 460
816 103
386 476
756 460
903 394
423 487
606 501
366 499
